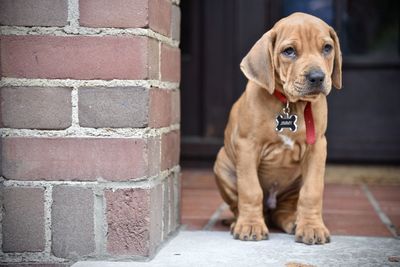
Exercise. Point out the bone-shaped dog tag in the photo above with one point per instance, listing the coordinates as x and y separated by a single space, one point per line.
288 121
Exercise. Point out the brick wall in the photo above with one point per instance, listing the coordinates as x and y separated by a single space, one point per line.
89 129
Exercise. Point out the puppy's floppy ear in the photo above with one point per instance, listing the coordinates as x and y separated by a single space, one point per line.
258 65
337 64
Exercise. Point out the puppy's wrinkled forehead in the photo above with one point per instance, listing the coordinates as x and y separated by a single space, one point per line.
300 27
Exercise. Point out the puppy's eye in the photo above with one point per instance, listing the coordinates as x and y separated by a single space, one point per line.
327 49
289 52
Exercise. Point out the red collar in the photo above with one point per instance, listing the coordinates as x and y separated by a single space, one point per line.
308 118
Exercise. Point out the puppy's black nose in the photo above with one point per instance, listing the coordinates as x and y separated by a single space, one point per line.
315 77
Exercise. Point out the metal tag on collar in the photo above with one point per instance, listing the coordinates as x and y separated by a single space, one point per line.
286 120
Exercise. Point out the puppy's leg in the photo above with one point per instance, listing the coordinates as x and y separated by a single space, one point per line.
310 228
250 224
284 216
225 175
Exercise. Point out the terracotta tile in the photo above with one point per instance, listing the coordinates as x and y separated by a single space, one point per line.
347 211
388 198
346 199
200 197
341 190
199 203
355 224
396 221
386 192
198 179
392 210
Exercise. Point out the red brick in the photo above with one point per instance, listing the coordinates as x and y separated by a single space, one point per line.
134 221
160 16
170 63
128 221
176 23
166 208
116 13
171 194
154 155
36 107
23 219
72 222
34 12
156 217
153 59
1 68
116 159
176 106
155 14
113 107
170 148
174 203
164 107
76 57
160 108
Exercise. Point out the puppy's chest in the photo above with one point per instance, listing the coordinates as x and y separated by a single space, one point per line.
284 149
280 161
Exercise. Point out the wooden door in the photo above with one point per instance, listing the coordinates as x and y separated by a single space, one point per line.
364 117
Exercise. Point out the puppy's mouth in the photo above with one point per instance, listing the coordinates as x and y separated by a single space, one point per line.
313 93
307 92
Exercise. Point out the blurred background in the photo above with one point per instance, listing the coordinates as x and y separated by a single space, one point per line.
364 117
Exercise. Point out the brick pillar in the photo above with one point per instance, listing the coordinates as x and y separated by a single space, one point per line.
89 128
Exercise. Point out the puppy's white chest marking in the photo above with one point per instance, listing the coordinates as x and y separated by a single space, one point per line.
288 142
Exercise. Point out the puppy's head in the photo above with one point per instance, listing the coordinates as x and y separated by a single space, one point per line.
300 54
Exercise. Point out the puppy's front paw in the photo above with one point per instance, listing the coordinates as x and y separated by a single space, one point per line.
311 232
249 230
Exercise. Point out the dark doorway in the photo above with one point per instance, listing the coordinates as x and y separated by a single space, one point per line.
364 117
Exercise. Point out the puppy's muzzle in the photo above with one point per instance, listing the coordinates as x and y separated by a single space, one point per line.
315 79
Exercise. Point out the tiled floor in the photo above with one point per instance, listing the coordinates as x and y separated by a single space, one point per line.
347 208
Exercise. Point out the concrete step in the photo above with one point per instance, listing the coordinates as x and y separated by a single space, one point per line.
206 248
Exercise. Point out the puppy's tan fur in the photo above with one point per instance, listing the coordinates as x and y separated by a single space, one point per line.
255 159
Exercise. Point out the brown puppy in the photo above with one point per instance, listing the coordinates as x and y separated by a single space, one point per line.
261 171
